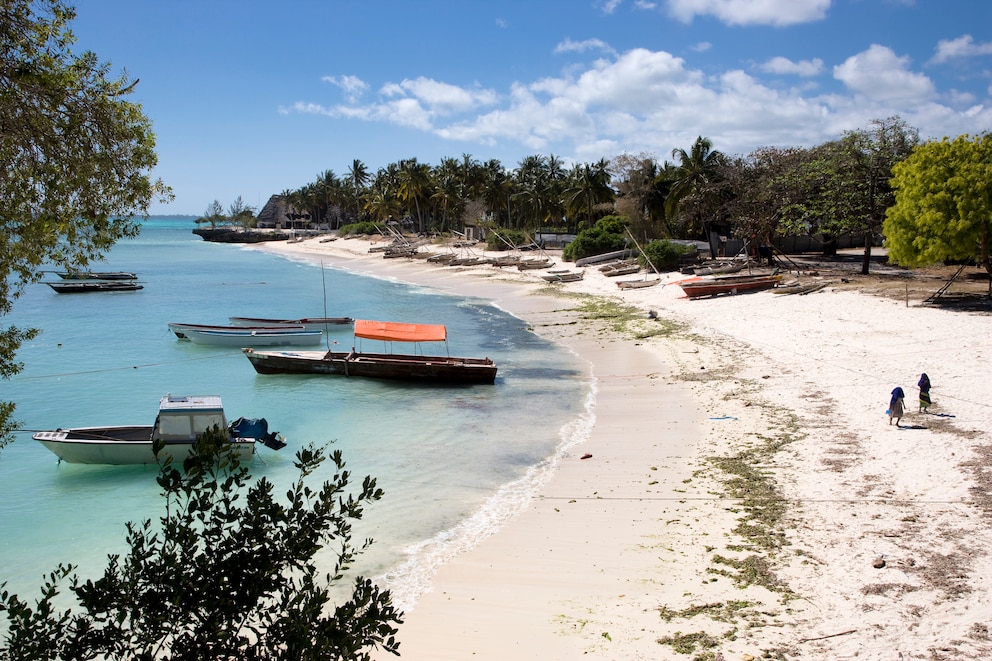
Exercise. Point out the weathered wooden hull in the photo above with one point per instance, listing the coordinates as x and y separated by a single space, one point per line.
439 369
702 288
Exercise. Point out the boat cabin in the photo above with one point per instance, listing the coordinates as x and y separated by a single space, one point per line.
185 418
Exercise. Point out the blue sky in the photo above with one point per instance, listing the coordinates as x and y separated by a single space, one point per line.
249 98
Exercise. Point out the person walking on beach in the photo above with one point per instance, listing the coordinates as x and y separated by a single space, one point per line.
897 405
924 385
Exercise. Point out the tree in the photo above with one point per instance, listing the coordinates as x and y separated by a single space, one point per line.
75 158
241 213
860 188
943 204
696 173
227 574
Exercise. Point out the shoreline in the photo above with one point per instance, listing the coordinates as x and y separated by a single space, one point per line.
653 539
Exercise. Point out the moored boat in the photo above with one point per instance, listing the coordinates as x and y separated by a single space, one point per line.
251 337
87 286
410 367
97 275
308 323
181 330
180 421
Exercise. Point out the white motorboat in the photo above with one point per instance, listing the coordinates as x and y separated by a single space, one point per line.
180 421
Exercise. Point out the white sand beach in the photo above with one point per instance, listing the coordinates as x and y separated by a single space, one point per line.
742 493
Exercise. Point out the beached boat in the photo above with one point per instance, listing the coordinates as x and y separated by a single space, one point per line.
179 422
625 269
87 286
638 284
308 323
719 269
534 263
235 336
564 276
729 285
181 330
410 367
97 275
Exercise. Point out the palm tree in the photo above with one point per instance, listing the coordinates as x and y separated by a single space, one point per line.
357 180
696 172
415 183
588 187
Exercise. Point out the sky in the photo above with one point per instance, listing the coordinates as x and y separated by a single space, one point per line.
249 98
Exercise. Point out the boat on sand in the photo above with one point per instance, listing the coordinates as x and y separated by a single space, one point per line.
729 285
180 421
401 366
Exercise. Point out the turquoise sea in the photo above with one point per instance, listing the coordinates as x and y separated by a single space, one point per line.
454 462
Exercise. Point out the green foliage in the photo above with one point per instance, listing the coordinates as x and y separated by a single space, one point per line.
228 573
606 236
75 156
665 255
361 229
943 208
504 239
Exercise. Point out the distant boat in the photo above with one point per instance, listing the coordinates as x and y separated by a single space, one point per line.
179 422
96 275
729 285
181 330
638 284
251 337
534 263
85 286
309 323
565 276
409 367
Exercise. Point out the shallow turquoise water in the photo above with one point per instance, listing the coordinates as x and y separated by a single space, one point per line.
453 461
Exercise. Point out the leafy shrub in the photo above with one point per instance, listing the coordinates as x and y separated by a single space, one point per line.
665 255
229 573
366 228
498 239
606 236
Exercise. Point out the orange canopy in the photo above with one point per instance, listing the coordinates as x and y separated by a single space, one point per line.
394 331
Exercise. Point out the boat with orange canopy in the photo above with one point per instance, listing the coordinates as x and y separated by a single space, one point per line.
385 365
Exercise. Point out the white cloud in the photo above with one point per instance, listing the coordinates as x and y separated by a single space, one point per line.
610 6
785 66
751 12
701 47
352 86
881 75
964 46
569 46
644 100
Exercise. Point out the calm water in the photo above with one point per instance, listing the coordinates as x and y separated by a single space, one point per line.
453 462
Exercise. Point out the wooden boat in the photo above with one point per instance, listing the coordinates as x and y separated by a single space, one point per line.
731 285
97 275
86 286
179 422
409 367
534 263
565 276
626 269
719 270
505 260
181 330
308 323
241 337
638 284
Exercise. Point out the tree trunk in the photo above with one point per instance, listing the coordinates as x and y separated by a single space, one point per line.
866 261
